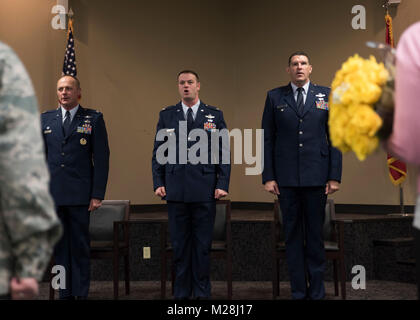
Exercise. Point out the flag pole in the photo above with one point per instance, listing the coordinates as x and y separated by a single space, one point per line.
397 168
402 200
70 14
386 6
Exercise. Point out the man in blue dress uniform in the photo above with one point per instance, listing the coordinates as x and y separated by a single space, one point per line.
302 168
190 188
76 145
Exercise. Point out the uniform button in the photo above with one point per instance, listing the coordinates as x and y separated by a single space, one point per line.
300 120
62 166
300 132
62 153
300 144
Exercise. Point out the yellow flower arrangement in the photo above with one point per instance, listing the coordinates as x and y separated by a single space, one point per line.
353 122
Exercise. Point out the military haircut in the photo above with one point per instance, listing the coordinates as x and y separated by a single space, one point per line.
299 53
189 71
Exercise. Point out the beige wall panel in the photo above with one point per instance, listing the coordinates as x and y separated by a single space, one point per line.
129 52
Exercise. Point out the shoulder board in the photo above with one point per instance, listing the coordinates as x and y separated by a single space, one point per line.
50 111
283 88
212 108
321 87
168 108
92 111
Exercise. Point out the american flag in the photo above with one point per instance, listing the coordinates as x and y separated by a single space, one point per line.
69 65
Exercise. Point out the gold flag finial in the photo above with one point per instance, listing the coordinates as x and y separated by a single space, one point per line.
386 6
71 13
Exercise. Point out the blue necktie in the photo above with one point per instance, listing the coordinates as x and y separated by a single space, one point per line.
190 119
299 101
66 124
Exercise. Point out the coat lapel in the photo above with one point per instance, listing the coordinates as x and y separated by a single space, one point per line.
180 113
310 99
290 99
57 124
199 117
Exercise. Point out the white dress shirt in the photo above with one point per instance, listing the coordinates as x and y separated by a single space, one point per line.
194 109
72 113
304 92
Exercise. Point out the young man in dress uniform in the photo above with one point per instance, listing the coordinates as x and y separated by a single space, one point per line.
190 189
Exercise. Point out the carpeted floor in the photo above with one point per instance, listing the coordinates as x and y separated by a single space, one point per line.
150 290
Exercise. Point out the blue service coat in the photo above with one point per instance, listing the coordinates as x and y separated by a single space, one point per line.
297 147
79 162
187 182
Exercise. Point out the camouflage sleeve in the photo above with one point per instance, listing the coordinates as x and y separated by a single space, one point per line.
29 224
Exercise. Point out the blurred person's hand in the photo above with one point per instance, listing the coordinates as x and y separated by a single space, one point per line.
24 288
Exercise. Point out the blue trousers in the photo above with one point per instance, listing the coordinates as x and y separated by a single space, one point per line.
303 213
73 250
191 232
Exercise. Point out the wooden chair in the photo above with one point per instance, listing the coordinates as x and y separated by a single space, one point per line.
107 241
333 242
221 247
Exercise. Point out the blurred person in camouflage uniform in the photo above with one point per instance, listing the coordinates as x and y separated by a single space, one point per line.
29 227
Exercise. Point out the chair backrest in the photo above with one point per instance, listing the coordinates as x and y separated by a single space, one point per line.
277 213
101 226
278 219
222 219
328 230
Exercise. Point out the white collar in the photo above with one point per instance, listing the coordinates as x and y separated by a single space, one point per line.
194 107
305 87
72 112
